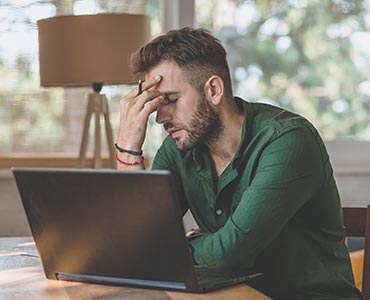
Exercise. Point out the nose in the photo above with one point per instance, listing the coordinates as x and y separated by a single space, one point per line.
164 114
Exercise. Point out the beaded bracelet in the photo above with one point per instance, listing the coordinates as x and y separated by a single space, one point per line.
135 163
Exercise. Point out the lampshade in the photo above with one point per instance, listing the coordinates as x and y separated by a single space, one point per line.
85 49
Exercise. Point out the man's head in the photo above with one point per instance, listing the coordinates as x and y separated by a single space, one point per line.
198 54
188 116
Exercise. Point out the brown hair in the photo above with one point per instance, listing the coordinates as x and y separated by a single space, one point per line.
198 53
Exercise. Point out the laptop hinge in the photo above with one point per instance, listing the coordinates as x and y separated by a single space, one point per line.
120 281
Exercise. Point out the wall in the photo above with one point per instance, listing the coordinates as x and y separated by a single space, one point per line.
351 163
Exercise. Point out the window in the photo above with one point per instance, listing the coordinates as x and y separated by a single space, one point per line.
308 56
49 121
311 57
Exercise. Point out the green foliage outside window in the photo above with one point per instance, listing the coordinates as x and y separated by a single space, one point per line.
312 57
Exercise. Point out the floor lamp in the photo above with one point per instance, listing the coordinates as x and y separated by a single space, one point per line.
90 50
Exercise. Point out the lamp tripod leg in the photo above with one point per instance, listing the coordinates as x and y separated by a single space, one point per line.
97 163
97 105
108 130
85 133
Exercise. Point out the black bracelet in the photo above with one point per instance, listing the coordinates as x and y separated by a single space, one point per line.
138 153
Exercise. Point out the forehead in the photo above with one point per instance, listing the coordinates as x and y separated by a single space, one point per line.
172 76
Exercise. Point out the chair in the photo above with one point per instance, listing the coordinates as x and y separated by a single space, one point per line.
357 223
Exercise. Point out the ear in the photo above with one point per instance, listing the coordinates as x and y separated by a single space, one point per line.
214 89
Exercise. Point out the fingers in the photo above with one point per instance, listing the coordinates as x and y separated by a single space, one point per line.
196 230
148 84
141 102
146 97
151 106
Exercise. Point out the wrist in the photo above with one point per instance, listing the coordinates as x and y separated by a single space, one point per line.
129 145
128 150
128 159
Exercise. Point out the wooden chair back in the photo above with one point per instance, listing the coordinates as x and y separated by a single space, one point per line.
357 223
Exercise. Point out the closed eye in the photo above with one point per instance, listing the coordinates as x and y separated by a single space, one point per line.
168 100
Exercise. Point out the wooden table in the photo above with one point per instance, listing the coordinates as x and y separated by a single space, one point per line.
22 277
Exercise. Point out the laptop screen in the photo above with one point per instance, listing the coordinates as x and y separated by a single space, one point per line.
106 223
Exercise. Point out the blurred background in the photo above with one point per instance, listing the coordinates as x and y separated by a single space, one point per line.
312 57
309 56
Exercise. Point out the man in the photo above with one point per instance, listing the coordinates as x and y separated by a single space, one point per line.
256 178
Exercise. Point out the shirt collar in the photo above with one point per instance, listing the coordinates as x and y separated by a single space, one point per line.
246 131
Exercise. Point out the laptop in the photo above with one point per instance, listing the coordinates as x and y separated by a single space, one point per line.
112 227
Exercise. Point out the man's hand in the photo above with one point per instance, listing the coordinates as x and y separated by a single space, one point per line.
135 111
193 233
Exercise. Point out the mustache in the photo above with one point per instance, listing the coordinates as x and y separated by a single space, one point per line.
168 126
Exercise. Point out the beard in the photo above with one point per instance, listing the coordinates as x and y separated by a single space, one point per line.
203 128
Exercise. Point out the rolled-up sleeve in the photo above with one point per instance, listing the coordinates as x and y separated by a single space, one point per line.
288 174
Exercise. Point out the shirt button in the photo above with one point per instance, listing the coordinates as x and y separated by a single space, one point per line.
218 212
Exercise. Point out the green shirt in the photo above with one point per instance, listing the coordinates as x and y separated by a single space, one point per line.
274 209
